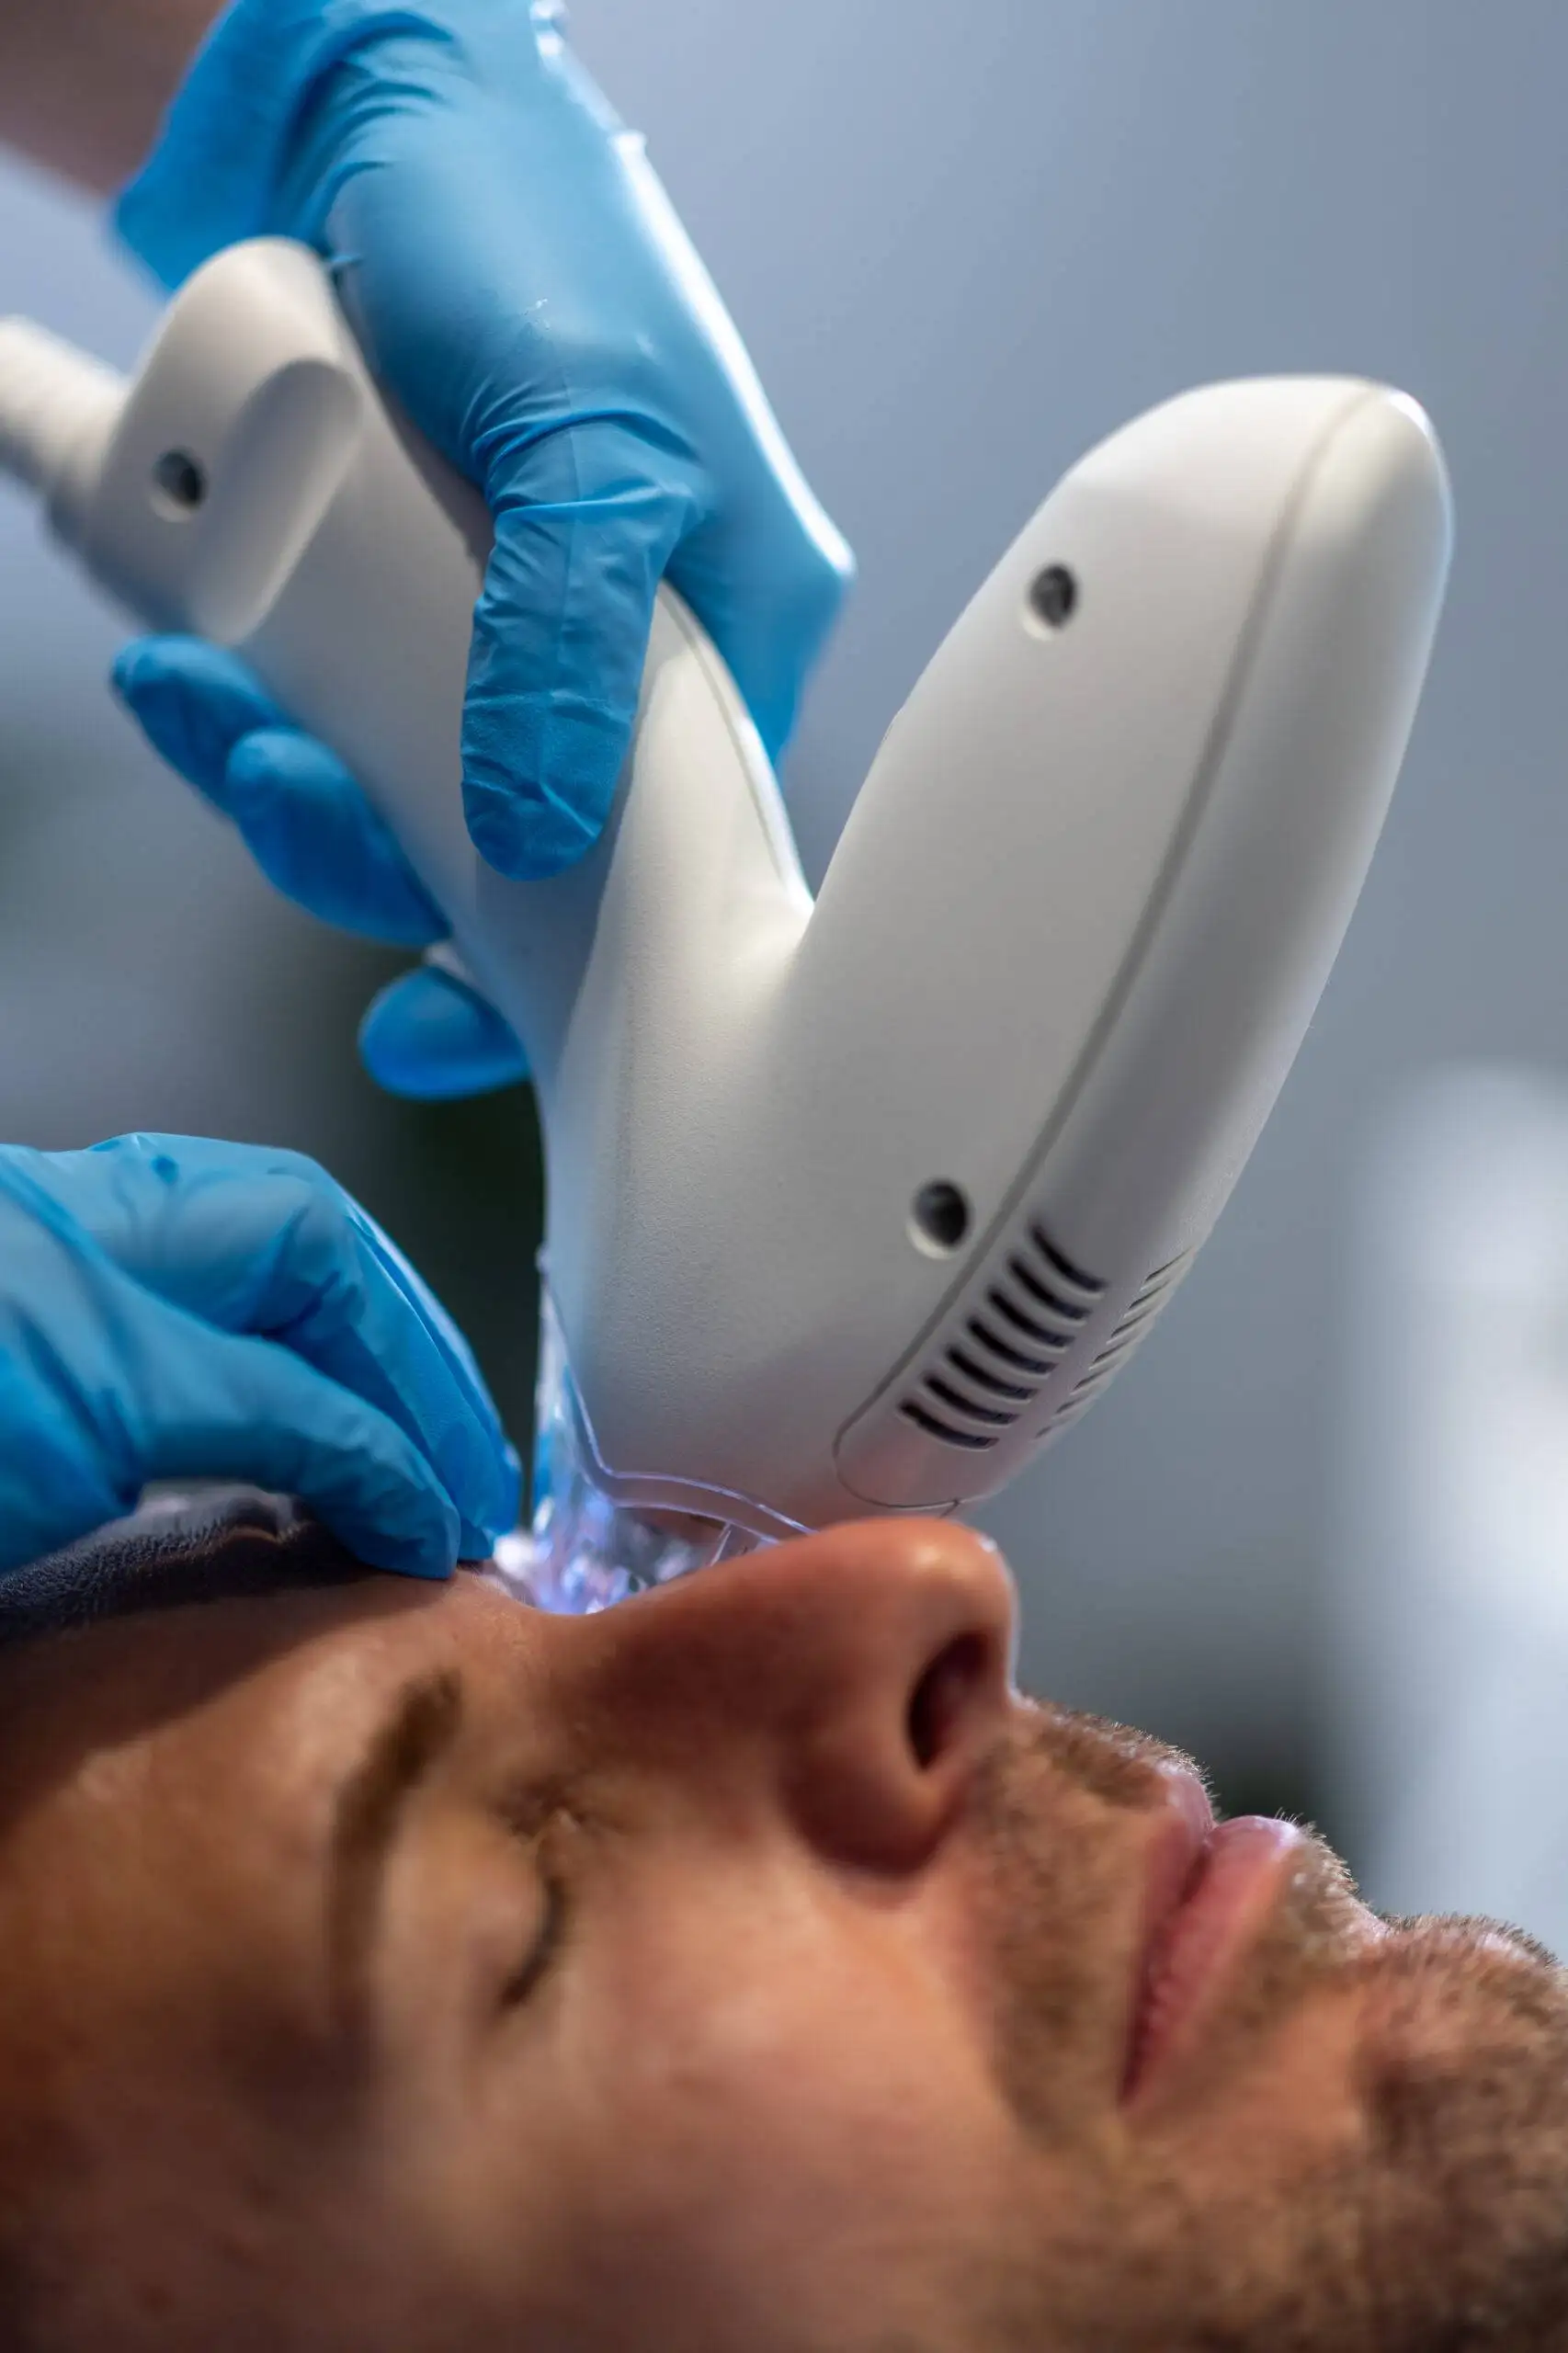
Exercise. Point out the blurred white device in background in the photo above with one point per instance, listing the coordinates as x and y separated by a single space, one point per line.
1449 1649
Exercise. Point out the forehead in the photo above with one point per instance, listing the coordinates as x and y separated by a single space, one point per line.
211 1672
273 1678
176 1562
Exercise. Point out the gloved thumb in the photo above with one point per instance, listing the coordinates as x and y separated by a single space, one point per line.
583 535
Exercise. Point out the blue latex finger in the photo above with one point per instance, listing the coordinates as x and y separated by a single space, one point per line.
194 702
317 839
264 1243
303 818
430 1038
486 1484
560 637
104 1385
214 1404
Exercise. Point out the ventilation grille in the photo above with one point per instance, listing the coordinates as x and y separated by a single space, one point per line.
1135 1324
994 1369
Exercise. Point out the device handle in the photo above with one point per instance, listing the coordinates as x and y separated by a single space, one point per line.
255 486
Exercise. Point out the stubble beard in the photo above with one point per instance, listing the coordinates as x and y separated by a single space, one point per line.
1439 2224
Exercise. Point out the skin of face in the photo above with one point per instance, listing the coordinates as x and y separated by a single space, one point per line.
388 1966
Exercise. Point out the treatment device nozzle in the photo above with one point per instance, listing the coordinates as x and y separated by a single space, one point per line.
585 1551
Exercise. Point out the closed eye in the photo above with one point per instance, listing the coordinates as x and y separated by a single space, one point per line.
539 1819
545 1944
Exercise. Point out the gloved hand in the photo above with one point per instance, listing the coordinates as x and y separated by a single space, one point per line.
174 1308
519 279
318 840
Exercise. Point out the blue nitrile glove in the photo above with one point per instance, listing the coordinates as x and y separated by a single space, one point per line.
316 837
171 1308
520 281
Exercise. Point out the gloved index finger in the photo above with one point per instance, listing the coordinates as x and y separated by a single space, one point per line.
263 1243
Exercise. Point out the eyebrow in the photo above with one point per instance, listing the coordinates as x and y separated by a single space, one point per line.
371 1805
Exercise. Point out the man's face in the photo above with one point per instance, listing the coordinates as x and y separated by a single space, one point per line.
746 1969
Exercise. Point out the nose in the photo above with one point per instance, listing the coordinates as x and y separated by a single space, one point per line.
857 1678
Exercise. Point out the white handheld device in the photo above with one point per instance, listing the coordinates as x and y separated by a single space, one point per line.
851 1207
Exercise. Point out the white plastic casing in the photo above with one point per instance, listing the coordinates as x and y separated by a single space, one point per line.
1064 955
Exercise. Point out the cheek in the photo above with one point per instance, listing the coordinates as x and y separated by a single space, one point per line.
772 2087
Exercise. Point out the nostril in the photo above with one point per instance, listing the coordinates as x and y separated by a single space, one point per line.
938 1701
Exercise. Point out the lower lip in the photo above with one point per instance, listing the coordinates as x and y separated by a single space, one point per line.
1241 1874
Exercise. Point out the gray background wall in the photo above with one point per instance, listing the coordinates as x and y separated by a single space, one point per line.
963 244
